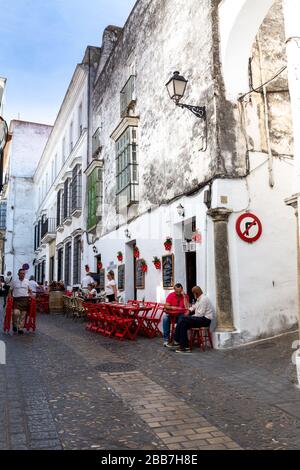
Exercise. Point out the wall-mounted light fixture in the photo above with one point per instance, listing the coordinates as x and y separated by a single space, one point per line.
127 233
176 87
180 210
95 250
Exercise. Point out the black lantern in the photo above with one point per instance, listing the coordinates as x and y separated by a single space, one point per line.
176 87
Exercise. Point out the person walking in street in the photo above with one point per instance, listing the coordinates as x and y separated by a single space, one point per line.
7 281
33 285
202 313
176 300
111 288
20 291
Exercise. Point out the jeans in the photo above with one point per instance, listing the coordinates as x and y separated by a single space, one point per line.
184 324
166 325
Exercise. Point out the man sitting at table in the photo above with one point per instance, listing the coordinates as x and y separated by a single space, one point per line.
202 313
176 300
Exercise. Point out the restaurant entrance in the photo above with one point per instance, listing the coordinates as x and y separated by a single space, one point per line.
191 272
130 271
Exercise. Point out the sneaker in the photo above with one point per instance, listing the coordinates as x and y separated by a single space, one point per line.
166 343
172 345
183 351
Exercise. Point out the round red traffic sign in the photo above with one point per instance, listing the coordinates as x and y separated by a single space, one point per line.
249 227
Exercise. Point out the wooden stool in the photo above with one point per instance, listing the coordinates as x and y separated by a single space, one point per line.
202 336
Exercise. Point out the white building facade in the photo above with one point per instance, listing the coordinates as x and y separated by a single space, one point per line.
59 227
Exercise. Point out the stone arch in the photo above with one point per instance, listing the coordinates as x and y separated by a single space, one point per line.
239 22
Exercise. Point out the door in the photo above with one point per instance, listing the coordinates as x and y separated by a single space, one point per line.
51 272
191 272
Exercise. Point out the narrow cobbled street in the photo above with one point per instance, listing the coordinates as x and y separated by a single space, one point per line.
66 388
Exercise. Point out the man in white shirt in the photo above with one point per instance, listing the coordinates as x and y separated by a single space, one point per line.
20 290
203 314
33 285
87 279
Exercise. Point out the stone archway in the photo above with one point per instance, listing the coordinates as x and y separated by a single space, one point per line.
239 22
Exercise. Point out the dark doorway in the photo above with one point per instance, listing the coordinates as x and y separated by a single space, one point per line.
191 272
51 273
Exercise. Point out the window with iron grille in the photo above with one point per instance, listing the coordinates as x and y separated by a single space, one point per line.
76 188
127 169
68 249
127 98
67 197
96 144
77 260
60 264
35 237
39 233
94 187
58 208
3 209
43 273
51 269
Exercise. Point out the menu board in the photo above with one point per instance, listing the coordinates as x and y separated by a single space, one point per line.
140 275
102 279
121 277
168 271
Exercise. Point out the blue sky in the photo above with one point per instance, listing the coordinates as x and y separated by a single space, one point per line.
41 41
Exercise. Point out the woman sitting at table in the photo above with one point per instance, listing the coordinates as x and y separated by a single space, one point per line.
111 288
92 293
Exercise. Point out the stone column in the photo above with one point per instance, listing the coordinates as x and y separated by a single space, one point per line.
293 202
222 269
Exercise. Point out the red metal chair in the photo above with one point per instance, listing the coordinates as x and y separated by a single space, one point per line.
202 336
124 322
42 301
30 322
154 321
8 315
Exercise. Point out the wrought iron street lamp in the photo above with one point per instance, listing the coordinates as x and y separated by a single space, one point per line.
176 87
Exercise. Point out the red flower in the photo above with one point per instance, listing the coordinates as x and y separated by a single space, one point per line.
120 256
168 243
136 252
157 263
144 266
99 265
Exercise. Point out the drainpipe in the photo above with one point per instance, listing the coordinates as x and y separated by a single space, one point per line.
267 115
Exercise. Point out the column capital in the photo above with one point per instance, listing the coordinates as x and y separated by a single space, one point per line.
292 201
219 214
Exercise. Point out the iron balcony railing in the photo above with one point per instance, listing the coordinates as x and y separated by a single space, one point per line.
48 227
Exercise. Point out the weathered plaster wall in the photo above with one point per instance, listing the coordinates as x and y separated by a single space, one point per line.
158 38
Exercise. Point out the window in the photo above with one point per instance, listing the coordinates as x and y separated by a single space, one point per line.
63 150
71 137
127 169
67 198
94 187
77 260
127 99
96 145
3 208
60 253
58 208
80 126
68 250
51 269
76 188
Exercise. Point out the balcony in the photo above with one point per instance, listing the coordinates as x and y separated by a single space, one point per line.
48 230
127 99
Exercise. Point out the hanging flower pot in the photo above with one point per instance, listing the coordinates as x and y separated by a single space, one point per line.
120 256
87 268
144 266
157 263
136 252
168 244
99 265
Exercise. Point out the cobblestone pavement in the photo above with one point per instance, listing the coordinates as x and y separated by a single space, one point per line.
66 388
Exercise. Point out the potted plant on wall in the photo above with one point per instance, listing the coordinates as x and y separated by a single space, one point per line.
144 265
120 256
99 265
157 263
168 244
136 252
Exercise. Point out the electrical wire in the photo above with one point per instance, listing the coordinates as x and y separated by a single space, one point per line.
257 90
